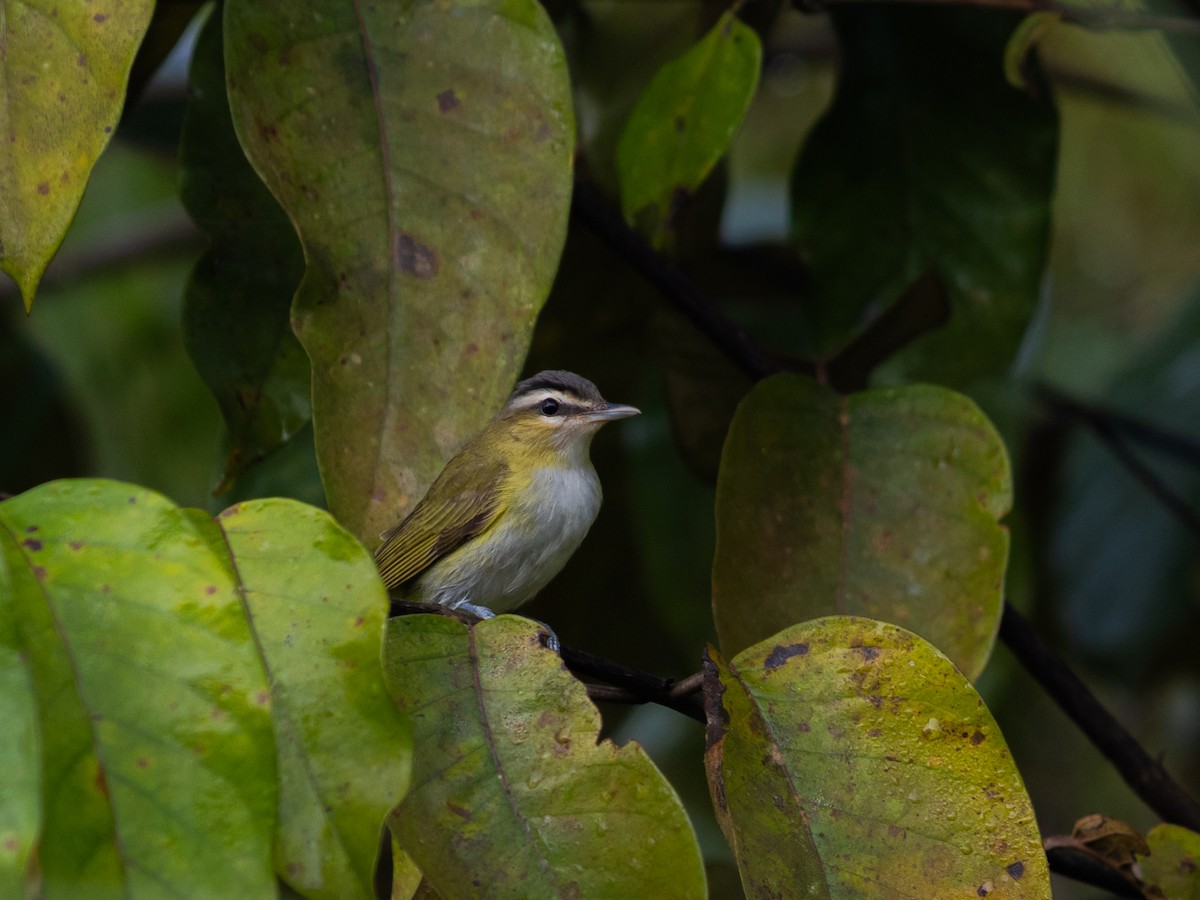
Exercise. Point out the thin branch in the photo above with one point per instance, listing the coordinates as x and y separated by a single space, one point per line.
1185 449
608 224
1145 775
1105 430
1091 17
1091 868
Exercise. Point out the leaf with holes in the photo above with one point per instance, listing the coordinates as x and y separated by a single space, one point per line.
424 153
512 794
63 84
685 121
238 301
170 657
848 758
882 503
927 158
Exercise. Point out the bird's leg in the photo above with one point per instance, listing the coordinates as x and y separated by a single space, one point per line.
474 609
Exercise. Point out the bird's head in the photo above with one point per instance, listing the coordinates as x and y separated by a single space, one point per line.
559 411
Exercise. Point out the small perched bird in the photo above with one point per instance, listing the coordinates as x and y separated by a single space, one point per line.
510 508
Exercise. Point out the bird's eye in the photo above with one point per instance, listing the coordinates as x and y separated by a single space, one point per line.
549 407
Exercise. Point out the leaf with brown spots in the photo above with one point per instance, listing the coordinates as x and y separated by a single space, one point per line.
837 773
317 609
513 794
424 154
882 503
62 85
207 688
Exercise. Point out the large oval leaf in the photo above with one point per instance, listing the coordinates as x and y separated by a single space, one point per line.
317 608
927 158
62 85
170 657
849 758
512 794
158 762
685 121
882 504
423 151
237 306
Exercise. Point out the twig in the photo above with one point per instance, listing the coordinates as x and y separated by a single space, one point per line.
1105 429
606 222
625 685
1182 448
1092 869
1144 774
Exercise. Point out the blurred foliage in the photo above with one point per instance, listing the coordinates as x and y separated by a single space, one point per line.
99 383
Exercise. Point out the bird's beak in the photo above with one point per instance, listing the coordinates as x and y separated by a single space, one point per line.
610 411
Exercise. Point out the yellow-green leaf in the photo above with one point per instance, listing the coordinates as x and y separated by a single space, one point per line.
62 86
882 503
157 757
317 608
1173 865
513 795
424 152
193 683
849 758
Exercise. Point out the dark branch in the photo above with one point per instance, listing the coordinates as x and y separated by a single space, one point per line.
608 224
1091 868
1182 448
1144 774
1105 427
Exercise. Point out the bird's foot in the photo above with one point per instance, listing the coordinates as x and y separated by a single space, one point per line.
475 609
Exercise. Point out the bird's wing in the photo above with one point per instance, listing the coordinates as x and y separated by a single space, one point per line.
435 528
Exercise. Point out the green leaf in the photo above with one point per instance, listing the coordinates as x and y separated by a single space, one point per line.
158 764
317 608
237 312
171 658
513 795
424 153
848 758
685 121
1173 865
927 158
882 503
21 798
62 81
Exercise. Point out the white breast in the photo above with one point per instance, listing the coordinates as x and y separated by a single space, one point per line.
511 563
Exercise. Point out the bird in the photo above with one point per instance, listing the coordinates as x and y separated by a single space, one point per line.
510 508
